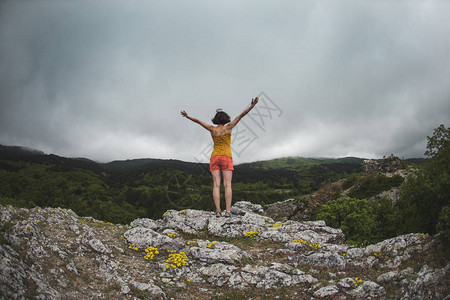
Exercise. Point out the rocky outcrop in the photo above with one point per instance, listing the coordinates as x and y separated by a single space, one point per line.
191 254
388 166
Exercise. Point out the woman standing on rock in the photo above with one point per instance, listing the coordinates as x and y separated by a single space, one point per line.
221 159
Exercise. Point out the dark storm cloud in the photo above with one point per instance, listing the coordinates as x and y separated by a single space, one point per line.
107 80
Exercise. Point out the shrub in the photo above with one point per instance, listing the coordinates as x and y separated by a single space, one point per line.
360 220
443 225
355 217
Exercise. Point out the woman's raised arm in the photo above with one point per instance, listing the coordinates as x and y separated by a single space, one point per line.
238 118
195 120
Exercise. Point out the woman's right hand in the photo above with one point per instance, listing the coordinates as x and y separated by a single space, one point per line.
254 101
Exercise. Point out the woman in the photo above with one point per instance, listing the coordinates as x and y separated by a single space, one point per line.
221 159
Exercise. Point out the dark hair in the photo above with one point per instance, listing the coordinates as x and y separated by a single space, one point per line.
221 117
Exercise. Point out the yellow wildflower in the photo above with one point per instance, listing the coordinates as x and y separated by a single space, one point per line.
176 260
300 241
192 243
251 233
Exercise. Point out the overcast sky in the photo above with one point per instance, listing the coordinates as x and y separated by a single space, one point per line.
106 80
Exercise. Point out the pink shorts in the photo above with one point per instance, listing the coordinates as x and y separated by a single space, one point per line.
221 162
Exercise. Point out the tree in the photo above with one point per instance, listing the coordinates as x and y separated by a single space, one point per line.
355 217
426 192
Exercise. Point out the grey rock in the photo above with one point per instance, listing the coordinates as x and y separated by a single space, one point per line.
217 274
253 274
236 226
326 291
320 259
222 252
346 282
305 278
355 252
71 267
148 287
189 221
236 281
270 277
243 207
368 290
428 283
283 209
146 223
5 214
145 237
387 277
98 246
13 273
273 279
406 272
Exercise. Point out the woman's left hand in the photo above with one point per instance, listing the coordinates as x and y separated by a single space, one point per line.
184 113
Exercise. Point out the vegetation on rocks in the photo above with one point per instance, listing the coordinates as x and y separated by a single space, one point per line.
53 254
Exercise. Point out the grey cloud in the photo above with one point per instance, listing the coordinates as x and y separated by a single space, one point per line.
107 81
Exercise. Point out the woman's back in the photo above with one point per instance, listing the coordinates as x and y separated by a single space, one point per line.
220 130
222 142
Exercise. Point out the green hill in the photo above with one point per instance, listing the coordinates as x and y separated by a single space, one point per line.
120 191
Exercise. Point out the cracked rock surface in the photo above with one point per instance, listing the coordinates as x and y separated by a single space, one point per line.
51 253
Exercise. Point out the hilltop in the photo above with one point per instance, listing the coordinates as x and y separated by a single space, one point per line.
52 253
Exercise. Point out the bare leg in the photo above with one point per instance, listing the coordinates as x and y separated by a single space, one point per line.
216 188
227 175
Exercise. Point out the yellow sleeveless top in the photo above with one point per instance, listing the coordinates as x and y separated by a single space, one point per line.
222 144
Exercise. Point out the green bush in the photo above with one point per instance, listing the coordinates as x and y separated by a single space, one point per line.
360 220
443 225
355 217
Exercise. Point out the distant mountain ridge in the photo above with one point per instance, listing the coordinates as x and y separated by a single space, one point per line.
140 164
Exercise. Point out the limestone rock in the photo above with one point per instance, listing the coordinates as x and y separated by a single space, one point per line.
190 221
12 273
282 210
326 291
142 238
243 207
149 287
222 252
146 223
368 290
424 287
320 259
